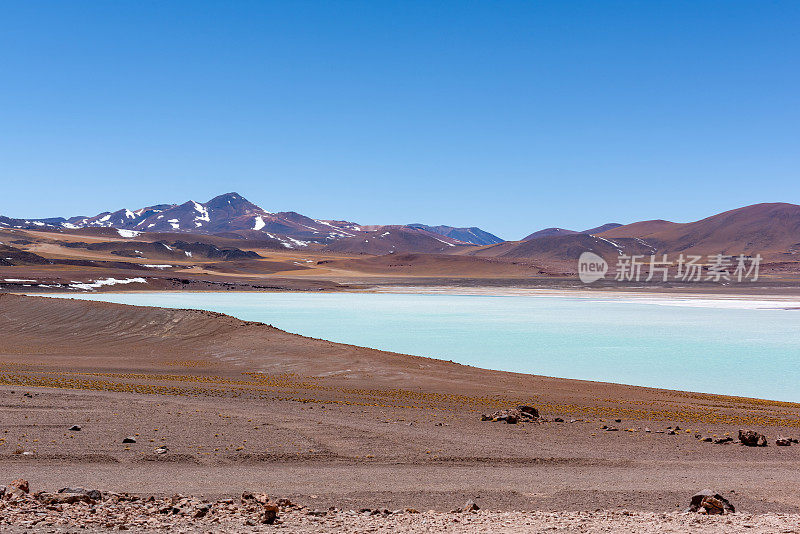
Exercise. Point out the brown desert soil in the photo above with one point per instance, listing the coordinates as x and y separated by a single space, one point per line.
243 406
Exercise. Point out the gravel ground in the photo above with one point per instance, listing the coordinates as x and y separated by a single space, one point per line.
349 521
93 511
513 522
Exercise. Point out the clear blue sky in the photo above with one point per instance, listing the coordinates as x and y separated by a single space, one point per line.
507 115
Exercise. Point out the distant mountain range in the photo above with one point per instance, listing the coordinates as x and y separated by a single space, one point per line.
232 215
772 230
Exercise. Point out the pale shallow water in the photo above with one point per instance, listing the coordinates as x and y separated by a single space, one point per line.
714 346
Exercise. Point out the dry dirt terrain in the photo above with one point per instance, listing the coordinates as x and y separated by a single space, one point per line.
242 406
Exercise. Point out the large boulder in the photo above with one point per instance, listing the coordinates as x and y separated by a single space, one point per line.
259 503
751 438
17 489
20 484
522 413
528 411
710 502
471 506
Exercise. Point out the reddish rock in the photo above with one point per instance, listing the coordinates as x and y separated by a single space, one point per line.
269 514
751 438
471 506
64 498
20 484
709 502
514 415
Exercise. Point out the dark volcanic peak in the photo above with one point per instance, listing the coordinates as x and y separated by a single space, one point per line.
640 229
233 204
602 228
391 239
472 235
550 232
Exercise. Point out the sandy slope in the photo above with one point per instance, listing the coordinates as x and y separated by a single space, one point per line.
246 406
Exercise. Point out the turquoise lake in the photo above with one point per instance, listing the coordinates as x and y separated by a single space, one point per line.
733 348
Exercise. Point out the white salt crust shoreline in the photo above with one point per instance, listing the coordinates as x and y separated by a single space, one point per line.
701 300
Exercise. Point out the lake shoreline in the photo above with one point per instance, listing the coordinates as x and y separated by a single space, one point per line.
628 338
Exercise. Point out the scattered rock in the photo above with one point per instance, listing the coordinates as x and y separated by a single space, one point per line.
161 450
558 420
617 420
646 429
726 439
266 512
471 506
513 416
751 438
528 411
611 429
20 484
783 442
64 498
95 495
671 432
28 395
123 511
260 498
202 510
129 439
286 503
709 502
75 428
